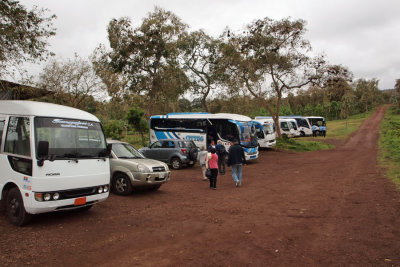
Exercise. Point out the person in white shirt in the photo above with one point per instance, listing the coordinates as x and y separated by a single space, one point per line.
201 157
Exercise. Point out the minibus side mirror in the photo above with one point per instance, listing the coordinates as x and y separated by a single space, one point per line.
43 149
43 152
108 150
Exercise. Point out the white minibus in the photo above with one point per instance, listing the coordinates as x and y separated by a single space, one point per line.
303 124
285 125
266 132
52 158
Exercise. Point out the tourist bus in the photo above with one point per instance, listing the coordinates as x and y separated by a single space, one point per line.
266 132
52 158
204 127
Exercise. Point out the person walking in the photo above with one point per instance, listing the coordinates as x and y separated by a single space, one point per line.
221 152
212 145
201 157
235 159
212 164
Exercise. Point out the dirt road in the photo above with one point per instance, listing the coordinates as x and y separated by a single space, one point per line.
326 208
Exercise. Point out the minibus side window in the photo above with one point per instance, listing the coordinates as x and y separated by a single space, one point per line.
18 136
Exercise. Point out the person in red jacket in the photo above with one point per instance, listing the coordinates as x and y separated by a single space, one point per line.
212 164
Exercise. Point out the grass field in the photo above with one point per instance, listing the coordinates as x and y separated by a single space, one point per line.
389 145
337 129
340 129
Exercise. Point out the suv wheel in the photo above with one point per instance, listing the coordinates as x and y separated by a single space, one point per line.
121 184
176 163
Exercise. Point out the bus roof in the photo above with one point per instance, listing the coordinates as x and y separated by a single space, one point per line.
315 117
32 108
202 115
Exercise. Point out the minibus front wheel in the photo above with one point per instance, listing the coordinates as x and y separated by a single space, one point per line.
16 212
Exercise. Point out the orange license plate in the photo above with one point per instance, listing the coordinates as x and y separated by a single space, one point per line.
80 201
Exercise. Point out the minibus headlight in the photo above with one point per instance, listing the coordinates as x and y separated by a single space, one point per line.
56 196
100 190
47 196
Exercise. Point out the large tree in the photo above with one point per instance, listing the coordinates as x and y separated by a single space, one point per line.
200 58
73 81
148 55
272 58
23 35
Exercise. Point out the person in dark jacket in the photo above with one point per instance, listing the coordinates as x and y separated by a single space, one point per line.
235 159
221 152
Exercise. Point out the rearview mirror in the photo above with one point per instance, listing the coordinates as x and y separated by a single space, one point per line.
108 150
43 149
42 152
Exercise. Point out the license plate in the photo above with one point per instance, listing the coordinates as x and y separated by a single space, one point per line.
161 175
191 162
80 201
253 157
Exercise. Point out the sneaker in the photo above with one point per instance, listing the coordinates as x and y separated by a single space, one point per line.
237 183
214 188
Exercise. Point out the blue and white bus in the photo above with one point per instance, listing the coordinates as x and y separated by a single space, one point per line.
202 128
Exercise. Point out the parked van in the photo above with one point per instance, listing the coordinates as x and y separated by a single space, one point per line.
266 132
287 127
52 158
303 124
317 121
295 128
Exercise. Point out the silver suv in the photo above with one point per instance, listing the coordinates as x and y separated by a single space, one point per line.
130 169
175 152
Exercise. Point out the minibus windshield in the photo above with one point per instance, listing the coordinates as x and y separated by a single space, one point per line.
69 138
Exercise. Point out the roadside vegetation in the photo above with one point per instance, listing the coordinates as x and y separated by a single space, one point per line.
341 129
389 145
337 129
301 145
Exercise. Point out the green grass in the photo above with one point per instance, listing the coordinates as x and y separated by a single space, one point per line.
337 129
299 145
389 145
341 129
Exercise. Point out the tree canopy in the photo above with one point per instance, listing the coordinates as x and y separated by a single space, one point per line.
23 35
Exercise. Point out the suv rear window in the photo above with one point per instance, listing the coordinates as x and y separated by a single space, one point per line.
187 144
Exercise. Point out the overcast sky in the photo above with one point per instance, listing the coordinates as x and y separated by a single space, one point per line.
363 35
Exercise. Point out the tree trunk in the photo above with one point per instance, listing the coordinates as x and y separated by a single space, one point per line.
204 103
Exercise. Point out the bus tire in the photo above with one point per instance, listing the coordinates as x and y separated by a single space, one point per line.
16 212
176 163
122 184
302 134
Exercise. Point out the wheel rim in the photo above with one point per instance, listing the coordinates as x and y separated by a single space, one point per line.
14 207
121 184
175 164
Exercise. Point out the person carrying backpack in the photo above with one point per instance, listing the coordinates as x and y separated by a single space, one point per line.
221 152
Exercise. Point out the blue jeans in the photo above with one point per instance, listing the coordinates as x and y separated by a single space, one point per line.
237 173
